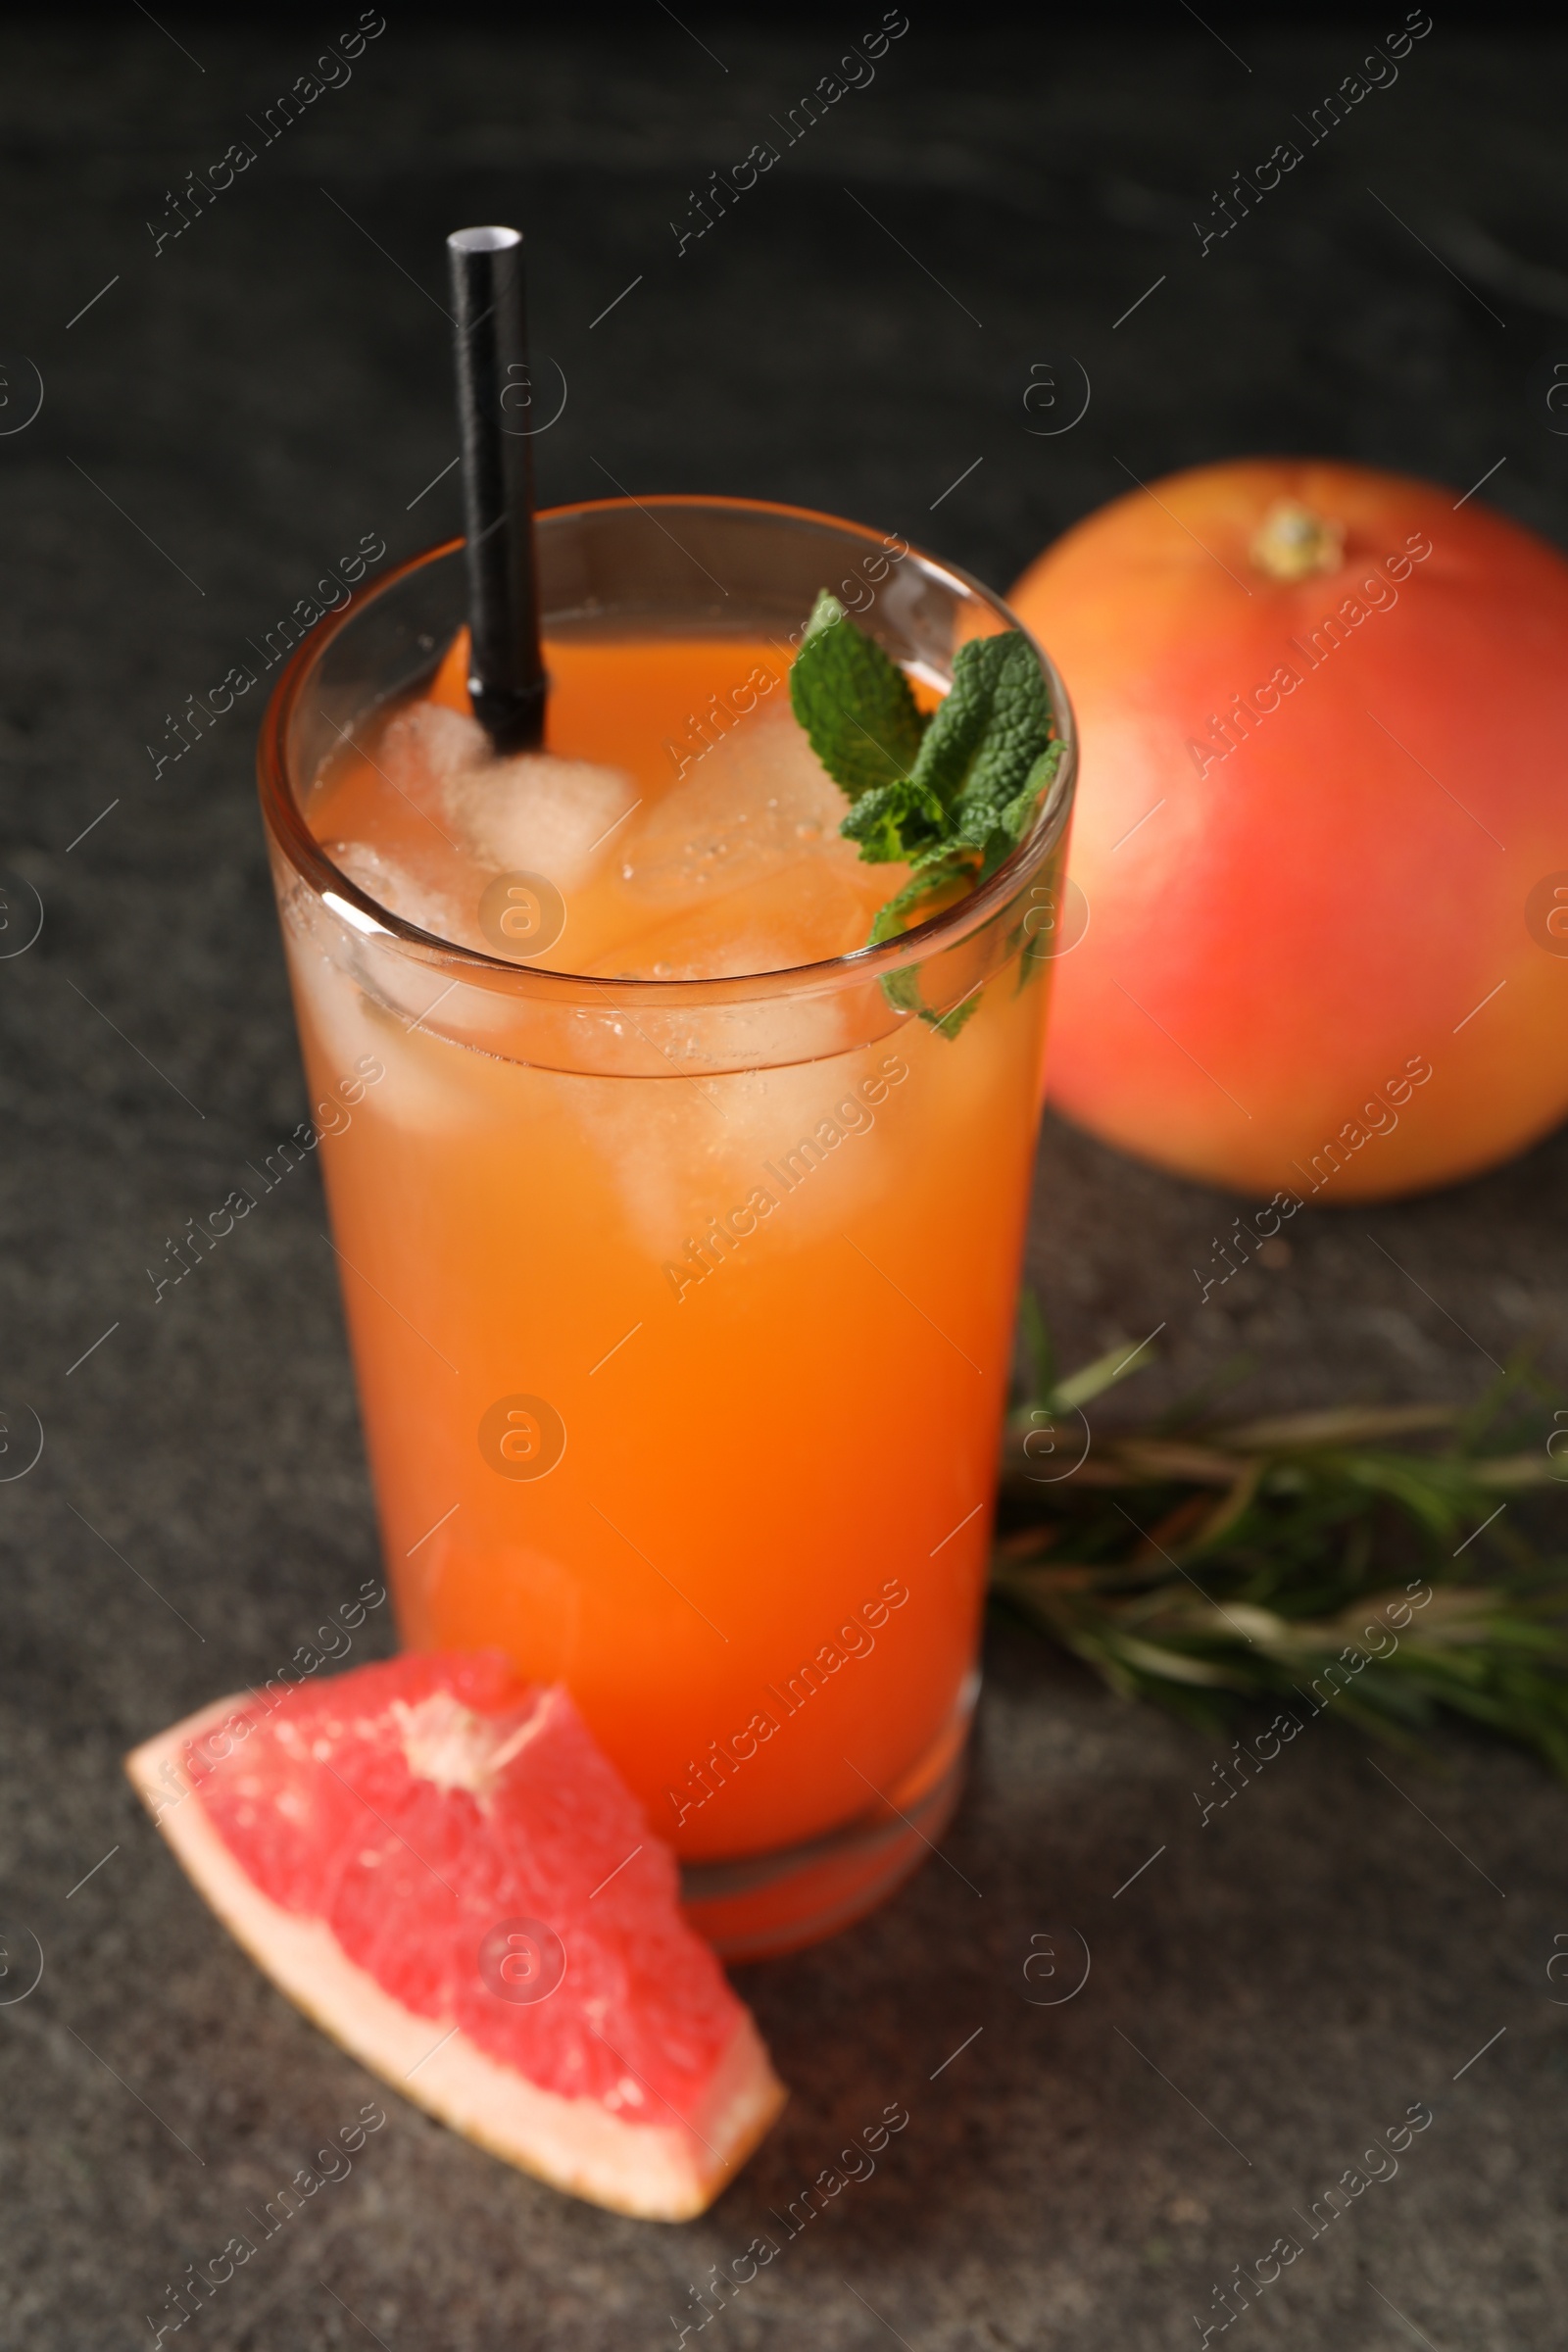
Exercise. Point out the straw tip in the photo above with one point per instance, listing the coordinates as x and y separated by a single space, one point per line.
483 240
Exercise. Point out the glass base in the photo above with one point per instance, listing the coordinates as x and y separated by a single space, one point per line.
763 1905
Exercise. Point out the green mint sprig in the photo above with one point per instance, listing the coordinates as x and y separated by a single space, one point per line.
950 793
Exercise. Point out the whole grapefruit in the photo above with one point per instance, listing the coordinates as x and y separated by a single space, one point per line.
1322 829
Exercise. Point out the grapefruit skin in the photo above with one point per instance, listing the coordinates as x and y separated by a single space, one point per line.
1287 926
367 1839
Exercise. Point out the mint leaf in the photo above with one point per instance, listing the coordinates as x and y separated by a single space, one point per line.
934 872
949 1024
930 875
951 796
1013 820
985 738
855 703
896 821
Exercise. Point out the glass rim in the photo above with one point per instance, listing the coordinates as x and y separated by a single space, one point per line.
287 828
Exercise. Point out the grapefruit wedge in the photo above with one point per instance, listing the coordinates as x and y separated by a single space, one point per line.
434 1861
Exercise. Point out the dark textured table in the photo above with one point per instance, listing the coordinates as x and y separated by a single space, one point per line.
225 411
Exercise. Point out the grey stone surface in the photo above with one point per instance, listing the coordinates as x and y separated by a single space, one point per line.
226 418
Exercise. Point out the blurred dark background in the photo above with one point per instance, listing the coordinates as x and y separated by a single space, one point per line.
225 414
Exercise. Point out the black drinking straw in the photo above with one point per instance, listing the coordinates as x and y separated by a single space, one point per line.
506 668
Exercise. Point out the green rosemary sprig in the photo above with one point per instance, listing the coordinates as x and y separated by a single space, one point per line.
1364 1557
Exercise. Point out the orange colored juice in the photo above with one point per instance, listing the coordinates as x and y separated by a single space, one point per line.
681 1355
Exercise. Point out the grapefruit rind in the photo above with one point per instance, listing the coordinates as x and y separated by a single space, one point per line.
662 2173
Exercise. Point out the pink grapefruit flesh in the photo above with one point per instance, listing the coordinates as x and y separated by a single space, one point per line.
434 1861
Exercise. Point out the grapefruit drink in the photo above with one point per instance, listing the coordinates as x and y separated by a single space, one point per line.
678 1229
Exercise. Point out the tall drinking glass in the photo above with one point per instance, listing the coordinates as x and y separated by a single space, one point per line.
682 1308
